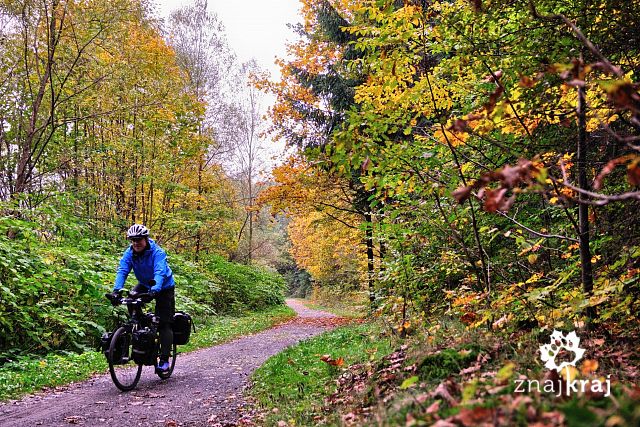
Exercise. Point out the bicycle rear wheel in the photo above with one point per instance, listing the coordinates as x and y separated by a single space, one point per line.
125 373
172 363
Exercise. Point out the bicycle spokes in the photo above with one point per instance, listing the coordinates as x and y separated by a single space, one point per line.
124 371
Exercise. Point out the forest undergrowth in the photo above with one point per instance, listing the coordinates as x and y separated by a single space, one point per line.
445 374
53 278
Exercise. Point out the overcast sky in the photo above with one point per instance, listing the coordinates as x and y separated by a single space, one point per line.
255 28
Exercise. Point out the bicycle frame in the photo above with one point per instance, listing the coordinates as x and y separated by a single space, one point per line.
122 347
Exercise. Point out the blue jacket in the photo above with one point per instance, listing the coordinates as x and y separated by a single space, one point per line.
150 264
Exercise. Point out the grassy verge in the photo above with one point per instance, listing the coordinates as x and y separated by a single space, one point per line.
291 386
441 373
27 375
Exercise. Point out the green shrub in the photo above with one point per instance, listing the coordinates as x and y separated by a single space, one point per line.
446 362
52 288
244 287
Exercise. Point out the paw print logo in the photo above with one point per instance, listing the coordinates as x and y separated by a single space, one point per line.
559 341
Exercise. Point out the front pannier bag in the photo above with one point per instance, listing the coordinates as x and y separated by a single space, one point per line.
143 347
182 325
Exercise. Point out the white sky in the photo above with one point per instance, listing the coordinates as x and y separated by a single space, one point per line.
255 29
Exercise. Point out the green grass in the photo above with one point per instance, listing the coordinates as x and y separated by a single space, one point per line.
221 329
296 381
26 375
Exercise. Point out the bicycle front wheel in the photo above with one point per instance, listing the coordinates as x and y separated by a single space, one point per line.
172 363
125 372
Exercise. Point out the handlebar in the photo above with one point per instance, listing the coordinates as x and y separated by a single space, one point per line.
133 298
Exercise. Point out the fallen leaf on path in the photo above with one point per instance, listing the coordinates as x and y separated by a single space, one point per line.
334 362
444 391
434 407
470 369
477 416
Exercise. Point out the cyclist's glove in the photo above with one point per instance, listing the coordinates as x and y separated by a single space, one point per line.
153 294
115 297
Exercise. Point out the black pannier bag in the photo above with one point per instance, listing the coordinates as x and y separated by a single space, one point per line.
143 347
118 352
182 325
105 342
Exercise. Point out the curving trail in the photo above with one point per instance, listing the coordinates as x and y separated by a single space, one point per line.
204 390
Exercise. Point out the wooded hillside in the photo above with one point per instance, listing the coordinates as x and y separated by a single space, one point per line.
487 153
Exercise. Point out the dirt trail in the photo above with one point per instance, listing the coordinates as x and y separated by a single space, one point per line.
204 390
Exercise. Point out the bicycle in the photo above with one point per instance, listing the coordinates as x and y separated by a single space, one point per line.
135 343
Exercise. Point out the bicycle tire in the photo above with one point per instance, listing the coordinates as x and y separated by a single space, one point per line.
125 373
172 364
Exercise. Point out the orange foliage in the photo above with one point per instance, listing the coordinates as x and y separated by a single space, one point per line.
325 233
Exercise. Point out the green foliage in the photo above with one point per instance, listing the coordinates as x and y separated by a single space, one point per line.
52 285
450 99
447 362
296 381
244 287
51 294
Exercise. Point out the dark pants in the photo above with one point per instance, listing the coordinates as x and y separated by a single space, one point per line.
165 309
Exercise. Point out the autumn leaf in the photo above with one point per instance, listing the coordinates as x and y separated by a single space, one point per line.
460 125
505 373
434 407
468 318
333 362
462 194
526 81
493 99
495 200
588 367
623 94
409 382
445 391
633 172
476 416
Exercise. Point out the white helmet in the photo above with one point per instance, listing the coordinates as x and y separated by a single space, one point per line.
137 230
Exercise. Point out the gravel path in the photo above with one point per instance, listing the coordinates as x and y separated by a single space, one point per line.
204 390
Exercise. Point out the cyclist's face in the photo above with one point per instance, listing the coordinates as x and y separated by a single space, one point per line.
139 244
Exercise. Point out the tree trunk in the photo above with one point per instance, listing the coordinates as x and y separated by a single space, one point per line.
583 208
25 164
370 265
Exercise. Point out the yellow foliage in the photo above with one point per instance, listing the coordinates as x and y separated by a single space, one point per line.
324 231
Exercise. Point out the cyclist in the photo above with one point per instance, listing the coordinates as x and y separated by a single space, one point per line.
149 263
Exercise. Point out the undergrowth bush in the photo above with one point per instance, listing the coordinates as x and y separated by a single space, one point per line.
52 287
244 287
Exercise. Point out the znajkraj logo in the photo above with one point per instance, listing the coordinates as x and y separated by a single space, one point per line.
569 343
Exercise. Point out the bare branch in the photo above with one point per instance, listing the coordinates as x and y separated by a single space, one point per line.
585 41
537 233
